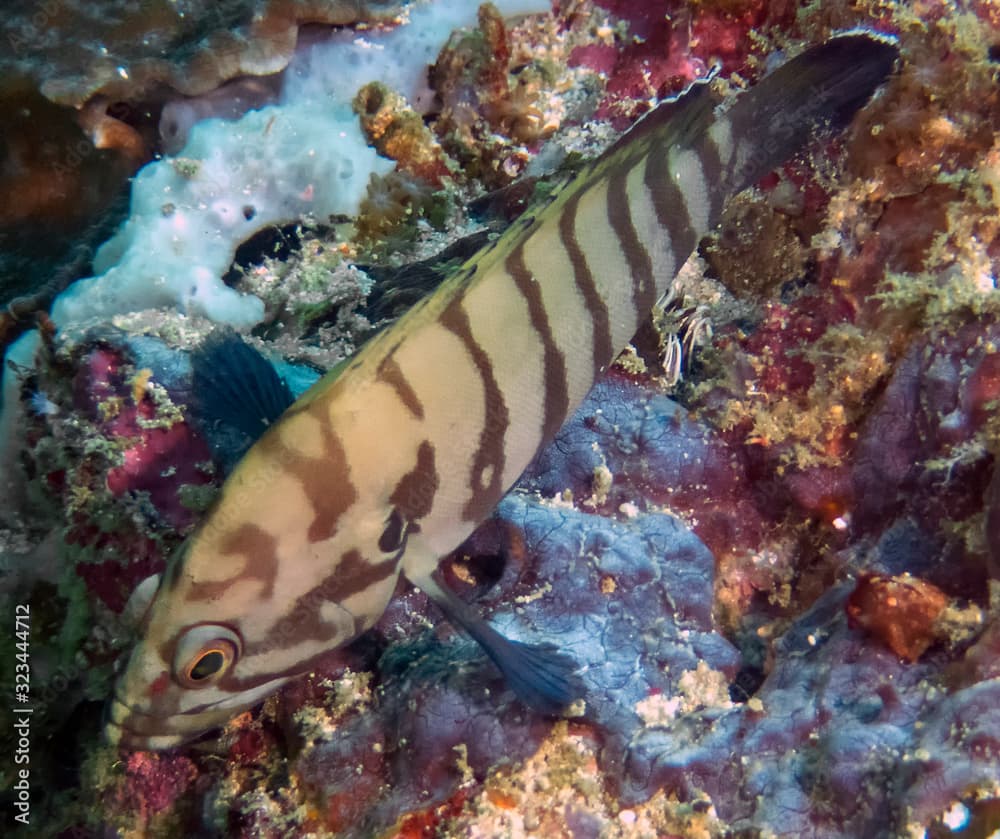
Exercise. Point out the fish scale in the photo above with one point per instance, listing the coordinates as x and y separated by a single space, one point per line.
386 466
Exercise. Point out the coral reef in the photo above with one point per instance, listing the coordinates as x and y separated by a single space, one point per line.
780 571
84 84
78 50
272 166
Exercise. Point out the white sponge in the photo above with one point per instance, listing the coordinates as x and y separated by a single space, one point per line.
189 214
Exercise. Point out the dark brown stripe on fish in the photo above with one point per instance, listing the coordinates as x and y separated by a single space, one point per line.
414 494
304 622
670 205
604 350
491 453
172 574
711 167
390 373
259 550
141 724
329 499
329 502
556 394
231 684
639 264
392 537
352 575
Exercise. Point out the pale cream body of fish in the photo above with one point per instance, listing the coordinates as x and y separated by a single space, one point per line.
390 466
380 438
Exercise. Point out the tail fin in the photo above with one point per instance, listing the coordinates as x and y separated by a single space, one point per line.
693 156
827 84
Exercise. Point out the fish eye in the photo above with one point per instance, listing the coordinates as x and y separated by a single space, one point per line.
205 653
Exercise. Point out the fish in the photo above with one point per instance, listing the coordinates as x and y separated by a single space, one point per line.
388 463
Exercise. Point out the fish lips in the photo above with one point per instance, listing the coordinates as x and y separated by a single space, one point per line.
133 728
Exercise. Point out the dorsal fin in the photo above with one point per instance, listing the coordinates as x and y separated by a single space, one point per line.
824 86
676 121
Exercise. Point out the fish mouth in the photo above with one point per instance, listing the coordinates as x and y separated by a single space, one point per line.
131 727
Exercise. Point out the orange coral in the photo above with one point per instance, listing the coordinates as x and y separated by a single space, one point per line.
488 109
900 611
399 132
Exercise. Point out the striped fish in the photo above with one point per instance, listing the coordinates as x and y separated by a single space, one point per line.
389 465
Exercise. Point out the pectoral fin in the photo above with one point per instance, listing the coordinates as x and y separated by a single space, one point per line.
541 676
235 385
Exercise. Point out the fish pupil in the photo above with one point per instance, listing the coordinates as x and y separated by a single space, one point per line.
208 665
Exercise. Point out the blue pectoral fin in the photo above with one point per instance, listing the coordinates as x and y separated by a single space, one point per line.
541 676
